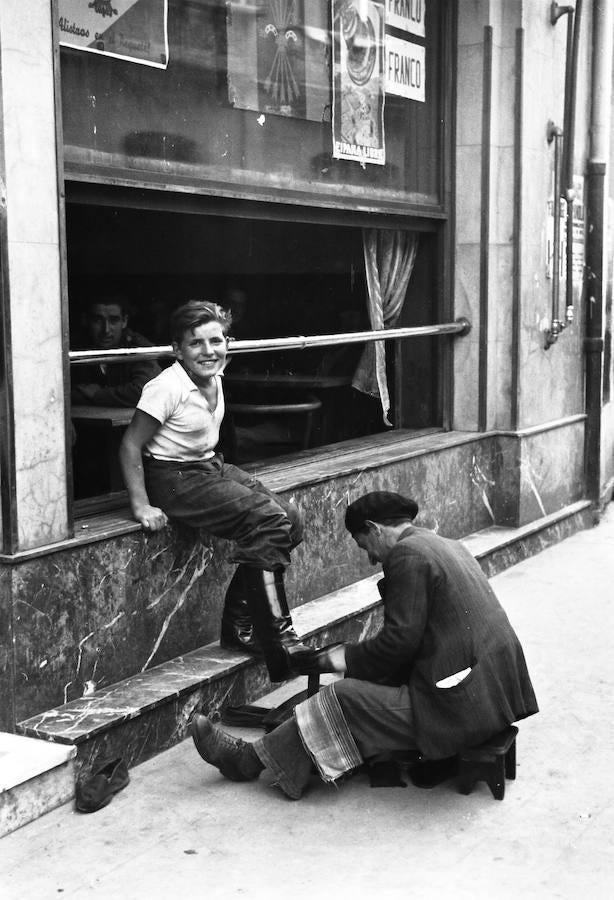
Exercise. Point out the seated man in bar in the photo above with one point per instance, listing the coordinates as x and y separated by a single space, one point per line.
445 672
172 470
105 327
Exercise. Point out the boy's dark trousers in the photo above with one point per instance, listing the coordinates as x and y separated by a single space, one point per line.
229 503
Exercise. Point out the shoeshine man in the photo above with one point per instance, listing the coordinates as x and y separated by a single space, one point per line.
445 672
172 471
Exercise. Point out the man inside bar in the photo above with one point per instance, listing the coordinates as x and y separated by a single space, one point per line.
445 672
105 327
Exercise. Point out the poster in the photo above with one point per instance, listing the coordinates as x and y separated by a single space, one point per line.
405 69
136 30
578 237
279 58
358 81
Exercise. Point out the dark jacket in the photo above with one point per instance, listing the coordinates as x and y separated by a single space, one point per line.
118 384
440 617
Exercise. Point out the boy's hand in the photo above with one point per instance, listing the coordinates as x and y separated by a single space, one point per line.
151 518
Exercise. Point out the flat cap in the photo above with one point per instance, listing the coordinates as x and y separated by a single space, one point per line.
379 506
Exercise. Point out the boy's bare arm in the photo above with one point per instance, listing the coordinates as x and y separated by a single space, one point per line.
139 432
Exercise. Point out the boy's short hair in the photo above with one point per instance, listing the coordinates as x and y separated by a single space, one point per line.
190 315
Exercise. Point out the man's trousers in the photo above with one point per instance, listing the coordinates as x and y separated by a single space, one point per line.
347 723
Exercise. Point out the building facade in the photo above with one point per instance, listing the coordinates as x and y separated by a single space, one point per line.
322 169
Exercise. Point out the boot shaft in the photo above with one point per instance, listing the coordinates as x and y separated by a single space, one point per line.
268 605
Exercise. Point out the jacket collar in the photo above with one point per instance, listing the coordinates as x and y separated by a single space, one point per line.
407 531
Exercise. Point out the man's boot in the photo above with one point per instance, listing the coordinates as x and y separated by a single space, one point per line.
235 758
237 630
266 598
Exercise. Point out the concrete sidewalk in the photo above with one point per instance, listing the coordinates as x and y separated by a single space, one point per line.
180 830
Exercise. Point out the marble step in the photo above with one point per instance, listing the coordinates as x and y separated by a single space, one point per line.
149 712
499 547
35 777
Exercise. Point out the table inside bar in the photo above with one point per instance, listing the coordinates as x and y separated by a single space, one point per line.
99 431
272 388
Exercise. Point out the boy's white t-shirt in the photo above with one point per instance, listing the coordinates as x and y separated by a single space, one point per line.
189 429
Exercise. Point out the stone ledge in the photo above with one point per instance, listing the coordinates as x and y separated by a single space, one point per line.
35 777
149 712
498 548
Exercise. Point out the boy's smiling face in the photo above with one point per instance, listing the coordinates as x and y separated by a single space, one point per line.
202 352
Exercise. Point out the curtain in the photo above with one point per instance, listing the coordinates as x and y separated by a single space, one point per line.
389 262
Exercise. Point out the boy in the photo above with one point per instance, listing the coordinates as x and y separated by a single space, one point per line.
171 470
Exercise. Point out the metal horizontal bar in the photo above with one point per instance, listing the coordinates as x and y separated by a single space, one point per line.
459 327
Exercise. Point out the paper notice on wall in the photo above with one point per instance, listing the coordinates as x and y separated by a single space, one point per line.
579 233
405 69
136 30
278 57
358 81
578 219
407 15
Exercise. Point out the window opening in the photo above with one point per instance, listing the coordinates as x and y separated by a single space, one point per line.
133 267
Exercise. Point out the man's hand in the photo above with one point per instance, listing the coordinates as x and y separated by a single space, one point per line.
325 659
151 518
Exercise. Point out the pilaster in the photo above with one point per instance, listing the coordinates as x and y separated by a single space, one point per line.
33 453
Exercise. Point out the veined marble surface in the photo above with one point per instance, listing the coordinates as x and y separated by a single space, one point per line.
89 617
205 668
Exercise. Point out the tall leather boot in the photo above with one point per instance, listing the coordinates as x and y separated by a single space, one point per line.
266 598
237 630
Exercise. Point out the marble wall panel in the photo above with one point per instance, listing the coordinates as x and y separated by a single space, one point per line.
507 475
469 198
503 90
550 384
469 90
7 712
502 199
607 443
507 17
90 616
472 17
551 471
538 474
28 101
466 352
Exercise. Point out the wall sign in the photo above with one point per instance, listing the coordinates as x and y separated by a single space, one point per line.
405 69
358 81
128 29
408 15
579 239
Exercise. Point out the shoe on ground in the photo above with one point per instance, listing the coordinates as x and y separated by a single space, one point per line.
107 779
